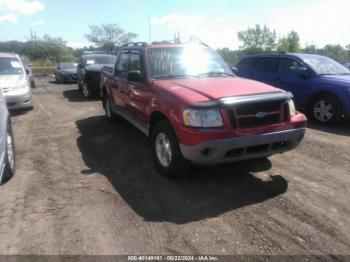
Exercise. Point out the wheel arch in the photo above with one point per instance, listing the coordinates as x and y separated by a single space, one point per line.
155 117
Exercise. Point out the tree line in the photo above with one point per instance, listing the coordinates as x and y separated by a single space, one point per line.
262 39
48 50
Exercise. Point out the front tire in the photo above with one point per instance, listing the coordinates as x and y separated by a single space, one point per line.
10 159
325 109
166 151
86 90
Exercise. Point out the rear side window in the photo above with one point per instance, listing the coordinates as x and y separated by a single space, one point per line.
246 63
289 66
267 65
122 65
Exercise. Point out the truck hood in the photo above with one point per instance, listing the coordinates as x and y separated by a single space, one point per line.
204 89
340 79
11 80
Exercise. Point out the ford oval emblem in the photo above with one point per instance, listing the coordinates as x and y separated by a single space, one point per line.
261 115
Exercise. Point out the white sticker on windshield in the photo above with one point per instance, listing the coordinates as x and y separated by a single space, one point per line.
90 62
15 64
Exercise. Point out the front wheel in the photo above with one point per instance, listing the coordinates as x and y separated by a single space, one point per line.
10 161
86 90
166 152
325 109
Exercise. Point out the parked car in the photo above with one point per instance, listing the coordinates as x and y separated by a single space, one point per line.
15 82
320 85
89 71
28 67
186 99
7 146
66 73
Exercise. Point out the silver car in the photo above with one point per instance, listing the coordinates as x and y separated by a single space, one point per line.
7 148
14 82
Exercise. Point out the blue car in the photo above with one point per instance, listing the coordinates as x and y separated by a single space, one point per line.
320 85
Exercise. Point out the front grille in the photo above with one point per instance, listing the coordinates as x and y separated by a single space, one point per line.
93 78
253 108
245 115
253 121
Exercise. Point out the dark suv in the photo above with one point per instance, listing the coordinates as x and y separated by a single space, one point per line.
89 70
320 85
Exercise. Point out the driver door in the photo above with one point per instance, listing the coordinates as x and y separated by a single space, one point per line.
290 80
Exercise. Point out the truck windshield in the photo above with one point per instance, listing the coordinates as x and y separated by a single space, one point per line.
182 62
101 60
326 66
10 66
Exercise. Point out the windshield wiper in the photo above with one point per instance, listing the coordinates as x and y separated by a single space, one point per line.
172 76
215 73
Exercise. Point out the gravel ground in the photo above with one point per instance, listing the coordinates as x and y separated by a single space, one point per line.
87 187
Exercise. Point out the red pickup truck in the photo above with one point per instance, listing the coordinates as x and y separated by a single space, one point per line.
193 108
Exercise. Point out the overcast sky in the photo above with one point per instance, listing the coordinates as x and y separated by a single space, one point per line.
215 22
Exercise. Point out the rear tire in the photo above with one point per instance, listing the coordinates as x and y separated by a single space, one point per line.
166 151
110 115
325 109
10 158
80 86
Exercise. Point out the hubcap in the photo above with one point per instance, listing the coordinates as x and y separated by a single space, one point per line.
85 90
163 148
10 155
323 110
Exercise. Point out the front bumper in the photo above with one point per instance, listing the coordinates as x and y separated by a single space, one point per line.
71 78
19 99
243 148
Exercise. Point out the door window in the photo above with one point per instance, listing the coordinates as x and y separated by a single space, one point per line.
135 62
289 67
267 65
245 63
122 65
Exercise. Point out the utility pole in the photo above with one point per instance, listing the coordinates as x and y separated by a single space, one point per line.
149 29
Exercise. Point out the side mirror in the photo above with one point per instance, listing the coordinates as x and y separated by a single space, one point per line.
302 71
27 71
235 70
134 76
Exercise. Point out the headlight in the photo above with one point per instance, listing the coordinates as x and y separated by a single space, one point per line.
19 85
202 118
291 106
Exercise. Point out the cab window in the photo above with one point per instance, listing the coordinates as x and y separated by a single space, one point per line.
289 66
122 65
136 62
